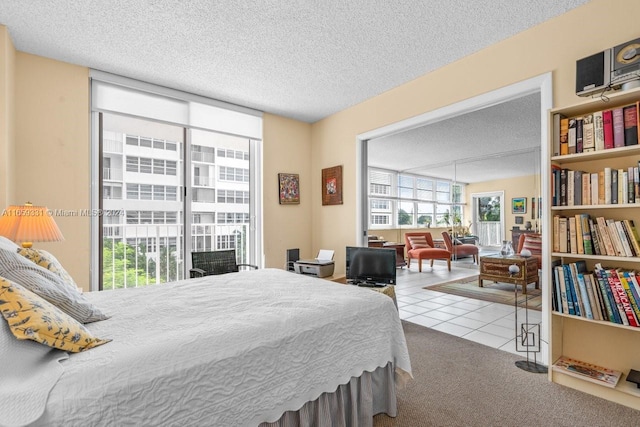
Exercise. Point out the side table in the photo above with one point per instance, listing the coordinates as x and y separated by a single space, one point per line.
496 268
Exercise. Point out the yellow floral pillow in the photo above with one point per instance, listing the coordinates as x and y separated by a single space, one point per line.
48 261
33 318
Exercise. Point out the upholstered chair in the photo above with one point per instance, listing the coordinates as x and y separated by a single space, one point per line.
420 246
532 242
459 250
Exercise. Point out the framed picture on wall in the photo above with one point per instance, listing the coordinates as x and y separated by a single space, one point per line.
289 188
332 186
519 205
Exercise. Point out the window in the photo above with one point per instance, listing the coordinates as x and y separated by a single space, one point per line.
144 135
414 200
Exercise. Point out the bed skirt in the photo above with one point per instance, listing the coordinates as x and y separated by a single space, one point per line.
352 405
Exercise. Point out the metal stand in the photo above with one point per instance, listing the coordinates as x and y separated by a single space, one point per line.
527 338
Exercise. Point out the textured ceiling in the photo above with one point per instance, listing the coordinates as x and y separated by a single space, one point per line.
306 60
300 59
492 143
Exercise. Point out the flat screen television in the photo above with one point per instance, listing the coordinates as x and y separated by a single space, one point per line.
372 266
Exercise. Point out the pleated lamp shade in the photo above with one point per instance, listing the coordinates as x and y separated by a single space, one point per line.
26 224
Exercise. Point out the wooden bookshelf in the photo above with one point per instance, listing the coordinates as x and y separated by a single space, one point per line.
596 342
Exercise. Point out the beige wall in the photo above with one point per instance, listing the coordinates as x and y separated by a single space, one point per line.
51 151
553 46
7 61
287 149
524 186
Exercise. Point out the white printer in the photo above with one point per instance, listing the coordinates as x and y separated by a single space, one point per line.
321 266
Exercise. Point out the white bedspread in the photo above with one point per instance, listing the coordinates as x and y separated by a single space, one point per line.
230 350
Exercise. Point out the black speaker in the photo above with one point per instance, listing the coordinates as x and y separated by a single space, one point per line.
293 255
593 73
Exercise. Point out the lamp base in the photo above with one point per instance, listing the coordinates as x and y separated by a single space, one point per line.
536 368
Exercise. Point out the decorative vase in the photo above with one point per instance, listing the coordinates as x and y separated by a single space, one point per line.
507 248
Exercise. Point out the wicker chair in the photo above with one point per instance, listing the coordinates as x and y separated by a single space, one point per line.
215 262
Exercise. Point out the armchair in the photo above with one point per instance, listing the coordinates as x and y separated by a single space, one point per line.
532 242
215 262
460 249
420 246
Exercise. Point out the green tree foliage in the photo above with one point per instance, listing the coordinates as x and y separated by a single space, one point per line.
123 263
404 218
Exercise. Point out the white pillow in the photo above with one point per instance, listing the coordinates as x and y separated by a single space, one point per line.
8 244
48 285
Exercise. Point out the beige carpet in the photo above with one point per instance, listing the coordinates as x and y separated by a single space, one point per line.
502 293
461 383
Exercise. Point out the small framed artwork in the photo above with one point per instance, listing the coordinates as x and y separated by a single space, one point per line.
519 205
332 186
519 220
289 188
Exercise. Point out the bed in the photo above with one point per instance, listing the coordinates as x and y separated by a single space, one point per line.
264 347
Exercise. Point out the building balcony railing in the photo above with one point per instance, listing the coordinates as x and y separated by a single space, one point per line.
203 181
198 156
112 146
112 174
139 255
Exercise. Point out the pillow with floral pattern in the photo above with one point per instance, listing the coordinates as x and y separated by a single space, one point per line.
31 317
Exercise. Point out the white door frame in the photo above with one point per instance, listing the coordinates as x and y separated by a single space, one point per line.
541 84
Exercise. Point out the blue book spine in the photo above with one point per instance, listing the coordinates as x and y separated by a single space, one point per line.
610 303
585 297
567 283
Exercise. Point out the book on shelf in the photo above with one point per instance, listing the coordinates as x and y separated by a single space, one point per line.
591 296
573 247
607 128
633 234
587 371
557 135
579 236
564 135
577 188
563 187
586 188
624 305
627 285
631 193
588 137
618 127
615 237
579 134
563 234
598 131
587 238
584 296
571 136
608 186
630 113
571 187
601 187
595 186
611 313
595 238
606 238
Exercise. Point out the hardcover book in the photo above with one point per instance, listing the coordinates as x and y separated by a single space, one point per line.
607 128
618 127
630 125
586 371
571 141
579 135
564 136
598 131
588 136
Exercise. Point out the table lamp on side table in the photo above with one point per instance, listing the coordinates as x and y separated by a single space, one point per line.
27 224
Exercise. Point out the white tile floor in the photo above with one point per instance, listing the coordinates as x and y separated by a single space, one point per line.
487 323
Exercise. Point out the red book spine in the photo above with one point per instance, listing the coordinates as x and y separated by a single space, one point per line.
624 299
618 127
607 125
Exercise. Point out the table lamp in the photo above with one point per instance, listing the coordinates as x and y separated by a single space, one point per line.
27 223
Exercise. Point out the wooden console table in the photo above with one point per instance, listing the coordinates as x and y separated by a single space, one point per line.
399 247
496 268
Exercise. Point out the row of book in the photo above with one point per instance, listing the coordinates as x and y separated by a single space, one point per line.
601 130
609 186
606 294
581 234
